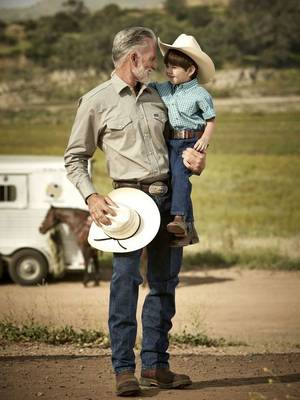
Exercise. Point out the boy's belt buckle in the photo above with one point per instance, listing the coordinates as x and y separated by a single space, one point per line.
158 188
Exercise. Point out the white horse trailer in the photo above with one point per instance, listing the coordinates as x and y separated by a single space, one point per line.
29 185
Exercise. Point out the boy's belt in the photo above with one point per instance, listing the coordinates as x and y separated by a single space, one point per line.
185 134
158 188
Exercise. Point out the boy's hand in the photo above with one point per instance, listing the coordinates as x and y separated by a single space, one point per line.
201 144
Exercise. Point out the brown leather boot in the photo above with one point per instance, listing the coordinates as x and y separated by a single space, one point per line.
177 226
127 384
164 378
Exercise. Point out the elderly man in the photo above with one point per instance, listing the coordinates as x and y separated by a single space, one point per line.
128 121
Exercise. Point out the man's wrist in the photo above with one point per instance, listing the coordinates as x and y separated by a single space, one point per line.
89 197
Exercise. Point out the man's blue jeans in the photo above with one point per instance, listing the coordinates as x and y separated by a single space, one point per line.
181 185
164 264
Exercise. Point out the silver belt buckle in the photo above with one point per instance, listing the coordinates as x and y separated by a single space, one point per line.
158 188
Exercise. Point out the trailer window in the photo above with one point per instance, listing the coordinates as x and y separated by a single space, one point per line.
8 193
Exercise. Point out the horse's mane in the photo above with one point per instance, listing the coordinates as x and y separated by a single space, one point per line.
71 209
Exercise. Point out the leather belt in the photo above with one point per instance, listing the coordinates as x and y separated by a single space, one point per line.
185 134
158 188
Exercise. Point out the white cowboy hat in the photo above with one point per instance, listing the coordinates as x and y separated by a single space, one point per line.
135 225
189 46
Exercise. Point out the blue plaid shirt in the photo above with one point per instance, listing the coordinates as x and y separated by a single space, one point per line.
189 105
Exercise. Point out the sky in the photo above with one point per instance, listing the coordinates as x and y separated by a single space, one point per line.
16 3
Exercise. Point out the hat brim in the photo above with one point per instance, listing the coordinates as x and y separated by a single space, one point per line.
150 222
206 67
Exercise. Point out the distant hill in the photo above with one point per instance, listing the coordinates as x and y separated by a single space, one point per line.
46 7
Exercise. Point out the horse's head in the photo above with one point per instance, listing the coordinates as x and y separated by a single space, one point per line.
50 221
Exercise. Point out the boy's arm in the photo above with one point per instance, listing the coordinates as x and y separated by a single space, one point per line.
205 104
152 85
203 142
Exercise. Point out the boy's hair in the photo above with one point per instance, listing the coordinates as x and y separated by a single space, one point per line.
180 59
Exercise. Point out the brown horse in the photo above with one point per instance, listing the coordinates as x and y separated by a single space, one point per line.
79 222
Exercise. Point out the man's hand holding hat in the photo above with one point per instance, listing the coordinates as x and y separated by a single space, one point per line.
100 207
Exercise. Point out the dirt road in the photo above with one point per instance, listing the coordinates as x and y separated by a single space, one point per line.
214 378
253 306
258 307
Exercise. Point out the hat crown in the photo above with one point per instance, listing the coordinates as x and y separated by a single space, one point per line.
124 224
184 40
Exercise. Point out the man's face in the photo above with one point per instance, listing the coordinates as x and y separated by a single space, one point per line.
146 62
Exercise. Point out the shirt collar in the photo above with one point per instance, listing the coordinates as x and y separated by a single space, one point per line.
186 85
119 84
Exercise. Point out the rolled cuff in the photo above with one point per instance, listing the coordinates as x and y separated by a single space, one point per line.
86 188
209 114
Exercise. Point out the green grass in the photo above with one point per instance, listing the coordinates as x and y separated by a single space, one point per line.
34 332
201 339
258 258
249 190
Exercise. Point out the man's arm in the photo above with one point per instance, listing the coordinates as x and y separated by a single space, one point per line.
81 147
194 160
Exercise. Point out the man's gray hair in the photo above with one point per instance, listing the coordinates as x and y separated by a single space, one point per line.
128 40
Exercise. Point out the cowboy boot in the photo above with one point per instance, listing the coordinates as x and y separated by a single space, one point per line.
178 226
164 378
127 384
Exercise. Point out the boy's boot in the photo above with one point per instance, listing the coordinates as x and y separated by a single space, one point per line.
178 227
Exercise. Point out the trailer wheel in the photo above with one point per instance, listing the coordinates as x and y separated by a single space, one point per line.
1 268
28 267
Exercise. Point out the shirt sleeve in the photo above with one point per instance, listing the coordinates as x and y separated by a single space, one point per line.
152 85
81 147
205 104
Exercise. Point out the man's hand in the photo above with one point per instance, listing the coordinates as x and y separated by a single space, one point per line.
194 160
100 207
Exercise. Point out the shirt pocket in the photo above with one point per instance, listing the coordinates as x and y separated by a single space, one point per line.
119 124
120 134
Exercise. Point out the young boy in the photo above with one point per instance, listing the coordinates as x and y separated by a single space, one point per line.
191 116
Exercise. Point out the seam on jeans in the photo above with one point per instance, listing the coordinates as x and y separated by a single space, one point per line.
120 370
158 365
177 212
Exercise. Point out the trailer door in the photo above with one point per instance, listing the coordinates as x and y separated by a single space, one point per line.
13 191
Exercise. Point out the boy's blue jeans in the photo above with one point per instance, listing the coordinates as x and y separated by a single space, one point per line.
164 264
181 185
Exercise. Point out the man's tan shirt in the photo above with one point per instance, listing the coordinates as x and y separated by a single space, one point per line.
129 128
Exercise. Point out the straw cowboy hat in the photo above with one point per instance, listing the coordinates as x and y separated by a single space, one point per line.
189 46
136 223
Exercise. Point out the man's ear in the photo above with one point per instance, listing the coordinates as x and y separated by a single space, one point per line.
191 70
134 58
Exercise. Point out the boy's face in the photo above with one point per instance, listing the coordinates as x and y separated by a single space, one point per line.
178 74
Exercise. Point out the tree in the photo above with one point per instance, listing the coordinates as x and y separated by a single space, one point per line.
199 16
266 32
76 8
177 8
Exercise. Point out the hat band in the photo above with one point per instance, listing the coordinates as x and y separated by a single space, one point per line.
125 238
